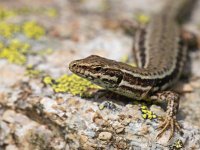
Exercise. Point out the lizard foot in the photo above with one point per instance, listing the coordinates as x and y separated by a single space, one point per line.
168 123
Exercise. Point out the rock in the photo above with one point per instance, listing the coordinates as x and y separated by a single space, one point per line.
157 110
187 88
119 129
195 84
34 116
11 147
183 87
105 136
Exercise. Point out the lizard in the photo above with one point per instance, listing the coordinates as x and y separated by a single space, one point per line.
160 51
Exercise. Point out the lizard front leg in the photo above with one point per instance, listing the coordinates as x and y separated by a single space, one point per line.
170 121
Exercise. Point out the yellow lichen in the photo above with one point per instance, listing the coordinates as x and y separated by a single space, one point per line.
1 46
31 72
51 12
48 80
146 113
7 30
4 13
143 19
71 84
124 59
133 64
178 144
45 52
32 30
15 52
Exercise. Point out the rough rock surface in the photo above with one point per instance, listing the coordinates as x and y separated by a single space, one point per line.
32 116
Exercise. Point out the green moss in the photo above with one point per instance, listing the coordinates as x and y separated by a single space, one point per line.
15 52
32 30
146 113
71 84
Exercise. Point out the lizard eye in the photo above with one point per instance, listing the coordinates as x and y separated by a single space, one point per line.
97 68
74 65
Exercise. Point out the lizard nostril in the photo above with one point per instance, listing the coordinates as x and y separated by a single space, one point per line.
97 68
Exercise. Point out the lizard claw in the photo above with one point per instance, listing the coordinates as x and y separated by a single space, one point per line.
168 123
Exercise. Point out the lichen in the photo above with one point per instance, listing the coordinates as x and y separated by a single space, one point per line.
15 51
178 144
142 18
51 12
146 113
48 80
32 72
44 52
125 59
30 29
71 84
4 13
7 30
33 30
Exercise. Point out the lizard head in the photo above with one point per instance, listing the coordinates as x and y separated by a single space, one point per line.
108 74
101 71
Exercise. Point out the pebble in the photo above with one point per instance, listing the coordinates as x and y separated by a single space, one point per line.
187 88
195 84
119 129
182 87
8 116
105 136
83 138
157 110
11 147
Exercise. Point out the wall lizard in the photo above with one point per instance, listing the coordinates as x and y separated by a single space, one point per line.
160 51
